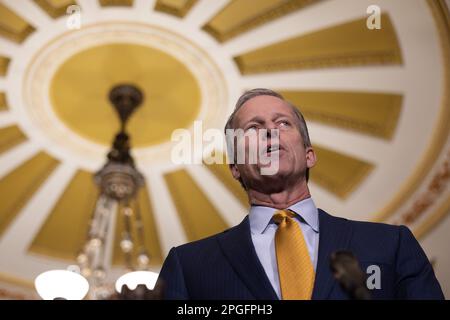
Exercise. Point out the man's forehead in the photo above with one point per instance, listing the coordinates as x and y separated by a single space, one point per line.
262 106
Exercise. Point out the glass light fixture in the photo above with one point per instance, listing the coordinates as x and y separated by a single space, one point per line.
135 278
119 182
61 285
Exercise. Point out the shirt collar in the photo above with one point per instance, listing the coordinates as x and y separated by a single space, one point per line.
261 216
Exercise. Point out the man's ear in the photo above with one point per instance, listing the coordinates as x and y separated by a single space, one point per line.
310 157
235 172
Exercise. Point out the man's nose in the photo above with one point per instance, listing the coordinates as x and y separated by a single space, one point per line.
271 131
270 126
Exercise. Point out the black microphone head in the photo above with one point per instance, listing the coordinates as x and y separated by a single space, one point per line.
347 271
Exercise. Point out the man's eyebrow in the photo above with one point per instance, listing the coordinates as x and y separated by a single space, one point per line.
259 119
279 115
254 119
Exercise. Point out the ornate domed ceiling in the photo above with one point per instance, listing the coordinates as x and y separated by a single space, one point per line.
376 101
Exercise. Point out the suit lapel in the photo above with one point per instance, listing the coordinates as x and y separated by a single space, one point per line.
238 248
334 234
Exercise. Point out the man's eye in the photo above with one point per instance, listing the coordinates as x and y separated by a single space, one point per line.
284 124
251 128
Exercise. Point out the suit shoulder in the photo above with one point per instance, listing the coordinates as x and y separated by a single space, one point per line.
382 234
377 235
374 227
372 240
202 244
370 228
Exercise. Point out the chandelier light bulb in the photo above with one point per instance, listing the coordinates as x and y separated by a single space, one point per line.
99 274
143 260
135 278
61 284
82 258
126 245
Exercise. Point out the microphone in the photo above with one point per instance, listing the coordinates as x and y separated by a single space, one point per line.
346 270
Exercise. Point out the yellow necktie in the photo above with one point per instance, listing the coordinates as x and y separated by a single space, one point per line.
294 263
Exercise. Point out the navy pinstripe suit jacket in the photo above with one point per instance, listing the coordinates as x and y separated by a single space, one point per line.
225 266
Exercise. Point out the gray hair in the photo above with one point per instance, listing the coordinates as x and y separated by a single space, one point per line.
303 129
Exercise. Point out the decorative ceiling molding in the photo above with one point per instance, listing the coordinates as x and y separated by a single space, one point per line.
441 14
13 280
55 8
345 45
19 186
240 16
12 26
220 169
178 8
338 173
10 137
441 130
6 294
197 214
433 220
370 113
60 235
116 3
433 192
4 63
84 80
3 104
44 64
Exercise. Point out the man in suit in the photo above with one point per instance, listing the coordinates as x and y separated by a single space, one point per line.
282 248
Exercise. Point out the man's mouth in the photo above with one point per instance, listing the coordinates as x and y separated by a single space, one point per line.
273 148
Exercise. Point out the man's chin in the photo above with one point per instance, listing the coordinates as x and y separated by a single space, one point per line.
271 183
274 169
273 176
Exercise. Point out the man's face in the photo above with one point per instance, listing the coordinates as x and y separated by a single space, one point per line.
269 112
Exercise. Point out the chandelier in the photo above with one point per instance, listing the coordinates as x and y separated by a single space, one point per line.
119 182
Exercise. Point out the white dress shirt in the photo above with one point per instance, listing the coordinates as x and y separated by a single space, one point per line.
263 230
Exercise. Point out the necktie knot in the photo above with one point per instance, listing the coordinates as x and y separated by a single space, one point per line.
282 215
